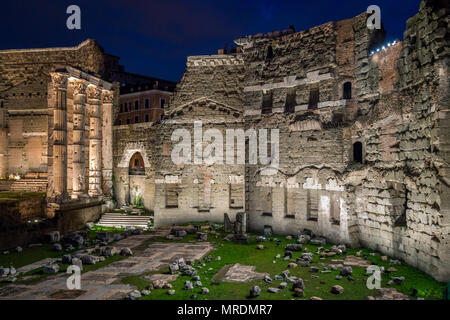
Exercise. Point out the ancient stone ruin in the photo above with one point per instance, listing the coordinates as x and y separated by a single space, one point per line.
56 129
363 132
363 135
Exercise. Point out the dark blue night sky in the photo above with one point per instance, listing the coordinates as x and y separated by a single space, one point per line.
154 37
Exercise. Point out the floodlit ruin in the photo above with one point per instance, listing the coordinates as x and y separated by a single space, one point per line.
364 137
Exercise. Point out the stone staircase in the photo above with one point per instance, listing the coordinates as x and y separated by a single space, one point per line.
120 220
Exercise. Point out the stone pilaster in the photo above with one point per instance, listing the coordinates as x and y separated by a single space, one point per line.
107 136
3 141
59 85
95 141
78 158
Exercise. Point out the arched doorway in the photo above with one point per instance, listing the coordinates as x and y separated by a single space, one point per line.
136 166
136 172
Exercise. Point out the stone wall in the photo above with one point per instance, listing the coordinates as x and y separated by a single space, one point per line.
24 77
129 140
33 185
315 147
403 197
215 77
366 166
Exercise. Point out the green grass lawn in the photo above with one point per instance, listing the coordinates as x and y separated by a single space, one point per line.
28 256
232 253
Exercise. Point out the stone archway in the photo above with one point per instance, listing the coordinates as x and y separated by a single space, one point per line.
133 177
129 150
136 174
136 166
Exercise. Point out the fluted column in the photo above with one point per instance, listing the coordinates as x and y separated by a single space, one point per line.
78 157
95 141
59 84
107 136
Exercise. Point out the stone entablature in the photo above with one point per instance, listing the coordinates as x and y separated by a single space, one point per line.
214 60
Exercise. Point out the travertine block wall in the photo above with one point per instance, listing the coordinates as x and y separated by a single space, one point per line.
403 200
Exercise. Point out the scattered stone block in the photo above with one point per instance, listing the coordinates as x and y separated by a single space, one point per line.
255 291
294 247
346 271
188 285
298 292
51 268
66 259
201 237
227 226
134 295
205 290
298 284
337 289
126 252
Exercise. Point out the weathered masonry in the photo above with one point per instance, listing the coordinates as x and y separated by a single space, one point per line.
364 138
80 147
56 121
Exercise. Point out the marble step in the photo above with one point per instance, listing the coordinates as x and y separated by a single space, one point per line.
122 220
125 219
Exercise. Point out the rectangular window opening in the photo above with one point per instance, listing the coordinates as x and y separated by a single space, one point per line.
172 192
313 98
267 103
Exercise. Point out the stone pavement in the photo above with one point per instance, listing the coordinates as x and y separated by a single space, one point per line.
389 294
36 265
350 261
103 284
240 273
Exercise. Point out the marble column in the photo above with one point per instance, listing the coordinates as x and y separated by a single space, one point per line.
95 141
59 84
107 136
78 158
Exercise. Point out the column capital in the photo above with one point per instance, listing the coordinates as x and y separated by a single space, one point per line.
93 92
108 96
59 80
79 86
